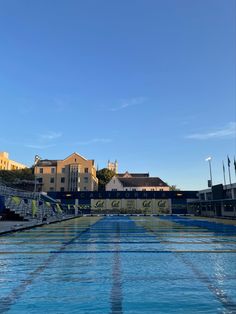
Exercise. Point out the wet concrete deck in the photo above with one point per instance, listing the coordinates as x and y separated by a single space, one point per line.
11 226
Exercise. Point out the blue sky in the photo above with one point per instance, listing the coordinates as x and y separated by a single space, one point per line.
150 83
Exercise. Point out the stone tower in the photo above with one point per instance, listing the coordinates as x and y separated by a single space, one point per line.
113 166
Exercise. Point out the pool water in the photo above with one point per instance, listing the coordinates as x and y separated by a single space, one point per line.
120 265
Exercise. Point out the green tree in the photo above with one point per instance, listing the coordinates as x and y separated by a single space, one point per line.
21 179
173 188
104 176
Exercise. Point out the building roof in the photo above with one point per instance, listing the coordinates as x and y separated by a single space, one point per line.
47 163
5 155
142 181
133 175
53 162
77 155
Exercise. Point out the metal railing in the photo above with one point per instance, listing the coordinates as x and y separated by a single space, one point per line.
30 206
30 209
7 191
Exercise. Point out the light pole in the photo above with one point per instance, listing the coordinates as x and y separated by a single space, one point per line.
36 160
210 185
209 161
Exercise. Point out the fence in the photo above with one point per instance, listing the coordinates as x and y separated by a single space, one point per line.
7 191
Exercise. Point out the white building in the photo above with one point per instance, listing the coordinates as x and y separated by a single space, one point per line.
136 183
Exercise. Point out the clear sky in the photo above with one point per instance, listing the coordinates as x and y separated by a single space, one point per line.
150 83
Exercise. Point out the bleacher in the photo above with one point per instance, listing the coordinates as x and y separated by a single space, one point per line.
27 206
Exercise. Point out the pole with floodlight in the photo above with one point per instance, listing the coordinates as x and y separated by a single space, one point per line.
210 185
36 160
209 161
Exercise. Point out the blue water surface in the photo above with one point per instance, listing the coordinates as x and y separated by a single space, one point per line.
120 265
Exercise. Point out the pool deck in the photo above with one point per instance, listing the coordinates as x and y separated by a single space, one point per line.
226 221
13 226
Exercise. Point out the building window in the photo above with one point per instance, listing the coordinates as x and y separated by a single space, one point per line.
85 179
62 180
62 189
52 170
86 170
40 180
40 170
63 170
114 189
52 180
51 189
143 189
85 188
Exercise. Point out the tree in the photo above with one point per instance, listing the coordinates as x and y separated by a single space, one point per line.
22 178
173 188
104 176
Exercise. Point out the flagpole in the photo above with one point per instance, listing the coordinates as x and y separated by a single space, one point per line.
229 170
224 172
234 166
231 190
210 171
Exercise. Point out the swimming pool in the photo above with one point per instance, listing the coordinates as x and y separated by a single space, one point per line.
120 265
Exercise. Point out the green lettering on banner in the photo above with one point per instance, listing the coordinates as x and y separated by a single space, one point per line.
161 203
99 204
115 203
147 204
163 206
